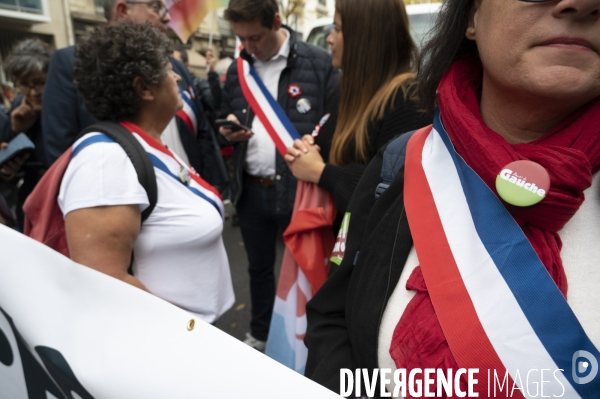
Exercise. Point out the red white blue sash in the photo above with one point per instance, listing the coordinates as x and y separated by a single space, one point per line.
497 305
163 160
269 112
189 112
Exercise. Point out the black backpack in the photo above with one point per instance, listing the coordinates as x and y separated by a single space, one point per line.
136 153
393 160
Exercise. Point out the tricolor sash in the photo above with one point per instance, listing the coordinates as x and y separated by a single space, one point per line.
163 160
498 307
189 112
269 112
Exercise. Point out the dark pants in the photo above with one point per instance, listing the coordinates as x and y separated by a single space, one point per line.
260 225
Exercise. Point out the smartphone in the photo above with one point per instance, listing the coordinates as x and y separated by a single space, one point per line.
227 124
17 146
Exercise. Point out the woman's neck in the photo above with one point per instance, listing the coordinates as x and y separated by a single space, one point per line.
151 123
518 117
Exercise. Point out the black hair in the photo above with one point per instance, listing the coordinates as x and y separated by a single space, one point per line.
183 53
108 62
251 10
446 44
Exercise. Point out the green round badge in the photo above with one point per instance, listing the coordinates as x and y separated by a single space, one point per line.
523 183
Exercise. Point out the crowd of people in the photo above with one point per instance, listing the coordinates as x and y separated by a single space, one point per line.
497 83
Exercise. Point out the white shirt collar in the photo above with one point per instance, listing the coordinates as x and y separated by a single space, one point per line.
284 50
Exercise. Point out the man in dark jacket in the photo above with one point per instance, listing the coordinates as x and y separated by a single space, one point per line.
300 77
65 115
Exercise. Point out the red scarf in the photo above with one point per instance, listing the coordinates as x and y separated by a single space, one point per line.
570 153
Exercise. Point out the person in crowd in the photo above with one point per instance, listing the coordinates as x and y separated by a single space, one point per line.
209 89
221 67
509 80
124 75
300 77
27 66
374 99
65 114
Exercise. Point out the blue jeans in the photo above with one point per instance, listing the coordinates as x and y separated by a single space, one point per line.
260 225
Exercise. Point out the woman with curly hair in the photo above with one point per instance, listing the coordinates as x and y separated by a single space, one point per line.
125 76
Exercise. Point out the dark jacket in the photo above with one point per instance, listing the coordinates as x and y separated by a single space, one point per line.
402 115
34 167
310 68
345 314
65 116
5 129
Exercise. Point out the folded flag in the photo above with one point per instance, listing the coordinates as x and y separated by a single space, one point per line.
309 240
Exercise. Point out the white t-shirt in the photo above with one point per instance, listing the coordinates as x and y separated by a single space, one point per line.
580 254
179 254
261 152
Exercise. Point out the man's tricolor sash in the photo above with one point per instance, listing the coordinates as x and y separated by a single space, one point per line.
189 112
269 112
498 307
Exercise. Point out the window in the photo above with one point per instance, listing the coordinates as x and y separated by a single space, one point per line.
31 6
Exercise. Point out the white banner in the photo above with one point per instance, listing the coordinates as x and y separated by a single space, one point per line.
67 331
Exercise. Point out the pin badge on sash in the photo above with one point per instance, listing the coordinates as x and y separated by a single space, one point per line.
294 90
303 106
184 176
523 183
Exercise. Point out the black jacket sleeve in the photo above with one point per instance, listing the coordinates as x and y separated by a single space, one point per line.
327 338
341 181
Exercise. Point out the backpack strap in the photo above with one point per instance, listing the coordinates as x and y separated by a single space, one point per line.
136 153
393 161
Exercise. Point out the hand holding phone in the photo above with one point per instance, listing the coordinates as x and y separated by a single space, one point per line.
13 155
229 124
232 130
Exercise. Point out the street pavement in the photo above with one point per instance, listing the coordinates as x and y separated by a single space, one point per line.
236 321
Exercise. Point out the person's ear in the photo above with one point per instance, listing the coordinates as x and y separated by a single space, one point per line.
144 92
472 26
277 22
120 12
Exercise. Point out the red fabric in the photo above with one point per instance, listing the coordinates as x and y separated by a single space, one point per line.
44 220
227 151
570 153
309 237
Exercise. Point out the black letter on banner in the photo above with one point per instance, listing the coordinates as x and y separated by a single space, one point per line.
37 380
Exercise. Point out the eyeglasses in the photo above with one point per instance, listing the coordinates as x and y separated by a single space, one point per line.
158 7
26 88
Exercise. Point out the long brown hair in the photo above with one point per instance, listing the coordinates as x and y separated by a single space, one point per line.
378 59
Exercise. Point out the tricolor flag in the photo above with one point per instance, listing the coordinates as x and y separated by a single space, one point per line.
68 331
309 240
187 15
